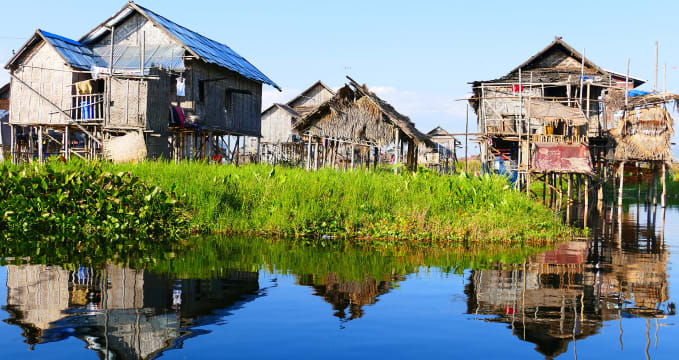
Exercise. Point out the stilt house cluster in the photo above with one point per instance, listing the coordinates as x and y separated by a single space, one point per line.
559 117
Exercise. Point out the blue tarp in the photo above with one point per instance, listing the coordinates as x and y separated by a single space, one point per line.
633 93
76 54
210 50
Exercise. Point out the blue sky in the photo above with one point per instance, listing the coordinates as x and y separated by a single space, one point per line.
419 55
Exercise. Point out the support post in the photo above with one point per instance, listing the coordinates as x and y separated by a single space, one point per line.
13 144
664 185
66 141
655 185
40 154
352 156
308 158
586 193
569 192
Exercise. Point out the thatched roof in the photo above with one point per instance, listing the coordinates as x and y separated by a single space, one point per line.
354 101
552 111
551 72
401 121
644 134
615 99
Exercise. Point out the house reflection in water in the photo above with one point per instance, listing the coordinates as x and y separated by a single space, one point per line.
567 294
349 296
120 312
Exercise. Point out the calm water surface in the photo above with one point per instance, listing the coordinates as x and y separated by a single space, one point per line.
609 296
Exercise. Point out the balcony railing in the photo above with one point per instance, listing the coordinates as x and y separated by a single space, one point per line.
88 108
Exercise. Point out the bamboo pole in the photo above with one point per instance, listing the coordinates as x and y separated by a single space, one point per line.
569 192
66 143
466 141
664 185
655 77
586 194
308 158
655 185
13 144
40 149
560 191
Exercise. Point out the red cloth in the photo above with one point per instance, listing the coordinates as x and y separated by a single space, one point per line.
182 117
517 88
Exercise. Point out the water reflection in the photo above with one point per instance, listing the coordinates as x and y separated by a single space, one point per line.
348 298
117 311
552 298
566 294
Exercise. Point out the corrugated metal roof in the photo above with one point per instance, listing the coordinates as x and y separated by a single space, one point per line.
209 50
126 58
75 53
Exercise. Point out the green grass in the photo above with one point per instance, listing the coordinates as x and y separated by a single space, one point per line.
259 199
291 202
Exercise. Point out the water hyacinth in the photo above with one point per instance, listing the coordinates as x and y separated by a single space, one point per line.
82 207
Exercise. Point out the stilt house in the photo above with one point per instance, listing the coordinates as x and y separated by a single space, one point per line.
138 83
443 155
355 125
545 116
278 143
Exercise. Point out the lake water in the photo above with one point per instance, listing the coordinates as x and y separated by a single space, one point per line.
609 296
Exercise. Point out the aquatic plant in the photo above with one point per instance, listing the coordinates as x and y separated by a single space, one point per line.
82 208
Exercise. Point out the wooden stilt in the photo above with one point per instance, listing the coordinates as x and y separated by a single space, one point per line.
663 179
544 190
308 159
353 156
586 190
569 192
13 143
560 191
66 141
655 184
40 149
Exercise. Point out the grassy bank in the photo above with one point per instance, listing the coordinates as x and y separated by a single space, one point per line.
258 199
139 200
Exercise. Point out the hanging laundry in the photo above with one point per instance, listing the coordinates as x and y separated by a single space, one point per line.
517 88
84 87
181 86
181 115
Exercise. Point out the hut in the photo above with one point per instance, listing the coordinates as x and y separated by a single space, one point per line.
278 143
443 156
137 83
641 136
356 126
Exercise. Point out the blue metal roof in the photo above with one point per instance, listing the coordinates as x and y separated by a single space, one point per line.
75 53
210 50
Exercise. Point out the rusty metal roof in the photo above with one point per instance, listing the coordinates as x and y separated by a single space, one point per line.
562 158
